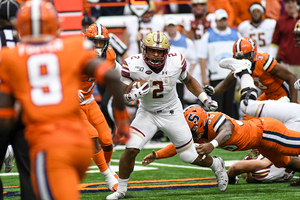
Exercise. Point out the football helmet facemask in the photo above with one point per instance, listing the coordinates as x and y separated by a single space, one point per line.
37 21
297 32
155 40
196 118
99 35
245 48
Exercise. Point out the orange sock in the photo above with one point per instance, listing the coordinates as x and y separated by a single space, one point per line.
100 160
108 155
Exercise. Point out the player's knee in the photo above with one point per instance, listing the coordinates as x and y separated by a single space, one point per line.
107 148
188 156
131 153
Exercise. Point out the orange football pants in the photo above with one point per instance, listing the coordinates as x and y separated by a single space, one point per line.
60 153
279 143
95 123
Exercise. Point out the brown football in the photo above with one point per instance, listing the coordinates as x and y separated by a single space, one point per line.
138 85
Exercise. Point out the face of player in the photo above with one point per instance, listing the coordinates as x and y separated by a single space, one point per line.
199 9
147 16
155 52
99 43
256 16
222 24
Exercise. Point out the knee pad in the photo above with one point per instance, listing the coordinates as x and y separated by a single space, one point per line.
189 155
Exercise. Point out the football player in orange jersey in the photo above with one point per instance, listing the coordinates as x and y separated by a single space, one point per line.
272 78
90 112
215 129
43 74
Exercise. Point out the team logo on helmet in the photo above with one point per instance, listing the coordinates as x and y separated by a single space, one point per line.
245 48
196 118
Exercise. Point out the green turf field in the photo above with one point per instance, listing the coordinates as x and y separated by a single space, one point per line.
170 179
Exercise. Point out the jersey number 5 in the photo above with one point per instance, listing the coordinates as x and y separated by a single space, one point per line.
44 78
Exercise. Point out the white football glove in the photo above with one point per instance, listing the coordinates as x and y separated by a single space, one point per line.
209 90
211 104
80 96
297 84
136 93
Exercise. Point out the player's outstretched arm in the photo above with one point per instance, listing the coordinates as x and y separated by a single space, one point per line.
223 136
149 158
194 87
246 166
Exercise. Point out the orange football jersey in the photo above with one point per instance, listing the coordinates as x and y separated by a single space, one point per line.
88 83
246 134
45 78
265 81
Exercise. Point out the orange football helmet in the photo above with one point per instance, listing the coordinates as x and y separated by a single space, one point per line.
196 118
37 21
245 48
100 37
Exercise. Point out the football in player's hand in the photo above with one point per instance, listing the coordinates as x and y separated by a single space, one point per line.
139 83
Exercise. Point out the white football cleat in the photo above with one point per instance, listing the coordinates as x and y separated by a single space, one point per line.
116 195
221 175
9 159
236 65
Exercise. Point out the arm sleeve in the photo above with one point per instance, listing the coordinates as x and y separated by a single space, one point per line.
166 152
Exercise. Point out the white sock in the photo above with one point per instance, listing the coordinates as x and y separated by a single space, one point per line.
214 164
107 174
122 185
247 81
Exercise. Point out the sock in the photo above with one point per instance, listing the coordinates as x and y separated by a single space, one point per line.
214 164
100 160
247 81
123 185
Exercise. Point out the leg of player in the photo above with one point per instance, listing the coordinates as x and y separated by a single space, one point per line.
9 159
98 157
217 165
126 166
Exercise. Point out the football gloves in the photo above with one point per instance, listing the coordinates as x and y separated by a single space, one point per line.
297 84
211 104
136 93
209 90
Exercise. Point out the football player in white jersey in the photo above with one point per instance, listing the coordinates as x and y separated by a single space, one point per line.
160 107
259 29
136 29
255 168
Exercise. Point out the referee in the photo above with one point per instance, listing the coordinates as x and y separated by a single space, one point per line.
8 38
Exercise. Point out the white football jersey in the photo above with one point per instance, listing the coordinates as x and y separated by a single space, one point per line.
132 26
262 33
272 173
162 94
